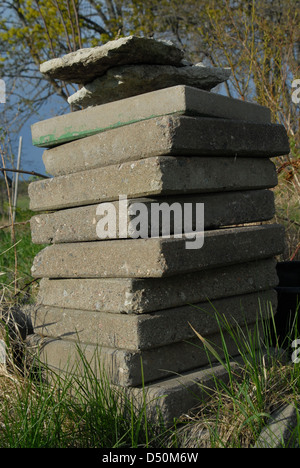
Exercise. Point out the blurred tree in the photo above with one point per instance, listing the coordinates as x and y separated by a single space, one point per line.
259 40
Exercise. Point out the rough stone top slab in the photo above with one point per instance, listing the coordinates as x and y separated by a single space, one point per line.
84 65
131 80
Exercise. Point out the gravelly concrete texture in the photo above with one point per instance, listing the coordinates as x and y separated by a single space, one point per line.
123 367
147 331
153 176
220 209
168 135
138 296
158 257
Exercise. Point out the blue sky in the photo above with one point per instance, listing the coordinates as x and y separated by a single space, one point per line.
31 156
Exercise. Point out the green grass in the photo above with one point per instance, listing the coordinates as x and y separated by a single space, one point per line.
26 250
72 412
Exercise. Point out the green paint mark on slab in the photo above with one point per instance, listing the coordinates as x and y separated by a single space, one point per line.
52 139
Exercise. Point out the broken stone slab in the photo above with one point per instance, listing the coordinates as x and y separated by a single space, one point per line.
168 135
158 257
84 65
178 100
281 430
137 296
131 80
163 175
146 331
221 209
122 366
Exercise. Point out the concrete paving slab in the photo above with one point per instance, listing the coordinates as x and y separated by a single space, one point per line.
123 367
158 257
178 100
220 209
282 429
138 296
152 176
146 331
168 135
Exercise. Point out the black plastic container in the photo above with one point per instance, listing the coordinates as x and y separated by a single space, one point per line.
288 294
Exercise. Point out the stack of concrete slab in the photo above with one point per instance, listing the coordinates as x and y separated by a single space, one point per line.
137 299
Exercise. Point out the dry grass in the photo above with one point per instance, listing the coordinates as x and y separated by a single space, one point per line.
235 419
287 202
12 383
12 379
